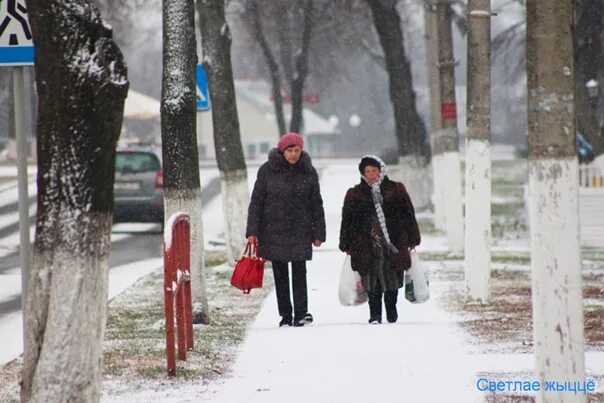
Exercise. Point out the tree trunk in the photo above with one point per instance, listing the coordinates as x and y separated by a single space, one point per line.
273 67
412 167
216 43
182 188
447 141
82 85
408 124
431 30
553 199
478 152
301 70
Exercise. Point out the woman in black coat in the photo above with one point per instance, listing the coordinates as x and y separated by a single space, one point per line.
285 218
378 229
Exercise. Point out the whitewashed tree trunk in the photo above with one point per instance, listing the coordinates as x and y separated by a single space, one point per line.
182 185
77 134
235 199
189 201
478 152
447 139
416 176
435 117
478 219
438 196
71 284
556 275
553 200
453 201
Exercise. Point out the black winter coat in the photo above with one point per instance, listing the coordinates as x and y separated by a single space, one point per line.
357 215
286 209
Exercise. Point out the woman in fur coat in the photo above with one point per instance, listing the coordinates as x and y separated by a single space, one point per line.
285 218
378 229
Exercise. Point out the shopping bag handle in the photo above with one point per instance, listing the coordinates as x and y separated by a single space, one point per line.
251 250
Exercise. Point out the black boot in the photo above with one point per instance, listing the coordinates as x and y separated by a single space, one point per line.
285 321
375 307
303 320
390 298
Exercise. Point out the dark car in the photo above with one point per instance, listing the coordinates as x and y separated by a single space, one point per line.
139 186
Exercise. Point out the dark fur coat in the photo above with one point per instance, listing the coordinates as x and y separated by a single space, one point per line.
357 216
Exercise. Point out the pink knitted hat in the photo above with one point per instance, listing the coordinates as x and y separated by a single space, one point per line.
290 139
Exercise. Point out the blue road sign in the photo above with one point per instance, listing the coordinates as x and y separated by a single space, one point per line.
16 55
16 43
201 92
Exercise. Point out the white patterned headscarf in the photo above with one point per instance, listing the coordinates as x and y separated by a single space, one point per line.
378 200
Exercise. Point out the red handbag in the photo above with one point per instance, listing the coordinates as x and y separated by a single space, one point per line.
249 270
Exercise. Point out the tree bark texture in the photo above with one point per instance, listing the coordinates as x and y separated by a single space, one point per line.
478 152
272 65
408 125
182 185
216 40
216 44
448 139
82 85
550 83
479 70
553 198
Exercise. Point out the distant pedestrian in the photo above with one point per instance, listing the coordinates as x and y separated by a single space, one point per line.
285 218
378 229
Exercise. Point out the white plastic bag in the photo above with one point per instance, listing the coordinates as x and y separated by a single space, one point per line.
351 291
417 281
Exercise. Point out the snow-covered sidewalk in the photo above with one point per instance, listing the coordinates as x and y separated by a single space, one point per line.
341 358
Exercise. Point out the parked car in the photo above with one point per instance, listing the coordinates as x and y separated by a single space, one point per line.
139 185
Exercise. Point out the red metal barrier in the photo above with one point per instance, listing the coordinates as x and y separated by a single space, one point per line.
177 288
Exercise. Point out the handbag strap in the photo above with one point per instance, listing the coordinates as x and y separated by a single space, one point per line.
251 250
247 251
254 250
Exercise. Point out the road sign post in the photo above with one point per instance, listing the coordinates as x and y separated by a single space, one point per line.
17 49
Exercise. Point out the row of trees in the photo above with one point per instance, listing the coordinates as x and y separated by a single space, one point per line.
553 185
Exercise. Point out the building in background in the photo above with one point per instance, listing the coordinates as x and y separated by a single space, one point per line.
259 132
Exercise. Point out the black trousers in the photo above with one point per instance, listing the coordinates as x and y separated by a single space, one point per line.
281 273
375 303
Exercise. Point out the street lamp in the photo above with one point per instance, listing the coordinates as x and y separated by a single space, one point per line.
354 120
333 120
